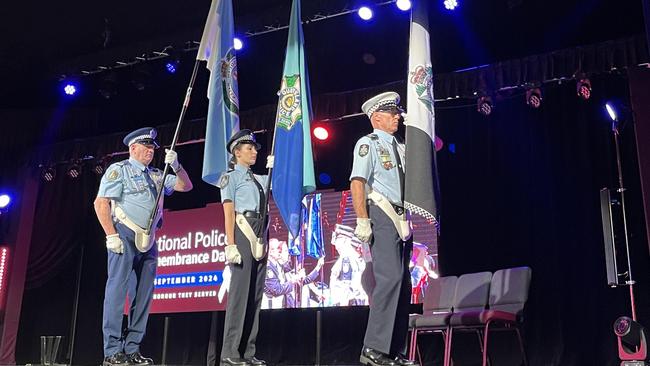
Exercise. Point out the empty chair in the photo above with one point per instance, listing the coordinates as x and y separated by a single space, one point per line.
436 311
471 297
508 296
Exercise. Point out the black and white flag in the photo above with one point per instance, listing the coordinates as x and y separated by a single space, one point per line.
421 184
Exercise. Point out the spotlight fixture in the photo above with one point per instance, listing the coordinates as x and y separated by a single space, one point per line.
99 167
534 97
74 170
365 13
632 345
173 64
403 5
70 88
450 4
583 88
611 111
48 173
484 105
5 200
321 133
108 86
140 77
238 44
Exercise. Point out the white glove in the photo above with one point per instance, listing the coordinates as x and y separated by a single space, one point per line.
363 231
171 158
270 161
114 243
232 254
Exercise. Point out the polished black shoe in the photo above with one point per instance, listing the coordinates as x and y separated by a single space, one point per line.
372 357
115 360
403 361
255 361
136 358
231 361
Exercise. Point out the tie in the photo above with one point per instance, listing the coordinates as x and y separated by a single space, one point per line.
400 169
259 189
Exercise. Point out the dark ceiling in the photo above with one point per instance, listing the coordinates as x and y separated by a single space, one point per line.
40 41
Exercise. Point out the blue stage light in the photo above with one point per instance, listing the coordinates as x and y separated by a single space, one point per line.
171 67
324 178
611 110
451 4
5 200
70 89
403 5
238 44
365 13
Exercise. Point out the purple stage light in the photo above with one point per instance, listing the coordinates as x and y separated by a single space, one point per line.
238 43
70 89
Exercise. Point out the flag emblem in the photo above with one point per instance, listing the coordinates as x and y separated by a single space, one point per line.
289 112
229 78
422 78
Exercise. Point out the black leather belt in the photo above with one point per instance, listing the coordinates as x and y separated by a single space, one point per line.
398 209
252 214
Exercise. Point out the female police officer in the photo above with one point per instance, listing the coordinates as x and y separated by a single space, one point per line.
243 197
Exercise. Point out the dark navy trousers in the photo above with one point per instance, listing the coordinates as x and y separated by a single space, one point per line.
131 273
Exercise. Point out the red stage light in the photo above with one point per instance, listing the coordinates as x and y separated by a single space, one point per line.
321 133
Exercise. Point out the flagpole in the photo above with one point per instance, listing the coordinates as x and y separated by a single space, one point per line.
269 173
186 104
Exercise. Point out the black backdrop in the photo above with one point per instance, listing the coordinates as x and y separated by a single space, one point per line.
520 188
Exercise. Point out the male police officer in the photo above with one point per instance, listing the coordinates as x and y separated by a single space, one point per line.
377 183
125 200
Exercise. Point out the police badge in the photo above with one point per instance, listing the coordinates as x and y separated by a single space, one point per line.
363 150
223 182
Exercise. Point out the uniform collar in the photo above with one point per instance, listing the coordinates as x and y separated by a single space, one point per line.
383 135
137 164
241 168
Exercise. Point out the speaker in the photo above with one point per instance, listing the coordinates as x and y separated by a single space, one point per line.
609 237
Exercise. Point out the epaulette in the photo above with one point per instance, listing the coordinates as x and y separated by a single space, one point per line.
372 136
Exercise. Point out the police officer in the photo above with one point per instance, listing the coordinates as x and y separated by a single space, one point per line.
243 195
377 182
125 200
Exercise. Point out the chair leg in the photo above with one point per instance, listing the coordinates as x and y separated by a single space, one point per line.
521 346
485 343
413 345
447 357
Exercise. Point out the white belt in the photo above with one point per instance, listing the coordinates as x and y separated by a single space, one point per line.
143 241
402 225
258 249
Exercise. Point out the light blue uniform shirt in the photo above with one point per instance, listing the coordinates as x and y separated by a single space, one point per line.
238 187
374 161
131 185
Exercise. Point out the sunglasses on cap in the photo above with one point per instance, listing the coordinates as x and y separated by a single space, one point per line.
390 109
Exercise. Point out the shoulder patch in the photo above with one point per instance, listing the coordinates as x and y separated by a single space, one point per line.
363 150
113 174
223 181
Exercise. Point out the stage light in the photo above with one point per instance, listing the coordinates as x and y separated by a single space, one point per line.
611 111
100 167
48 174
321 133
403 5
484 106
324 178
140 77
70 89
451 4
534 98
5 200
365 13
631 338
74 170
238 43
171 67
583 88
108 86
